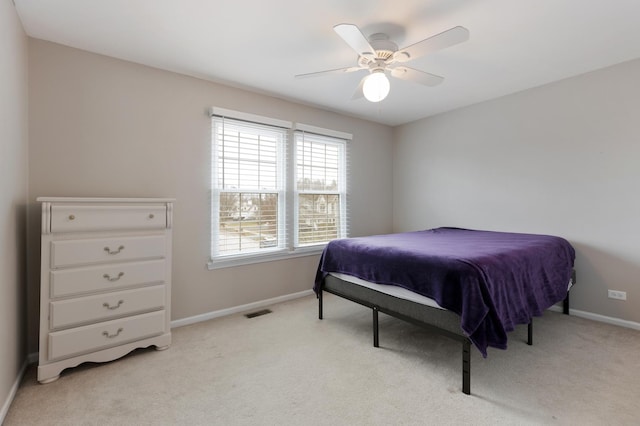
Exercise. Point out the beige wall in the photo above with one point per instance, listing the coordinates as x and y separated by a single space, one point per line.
104 127
13 196
560 159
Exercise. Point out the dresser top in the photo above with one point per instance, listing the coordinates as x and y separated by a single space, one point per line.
102 200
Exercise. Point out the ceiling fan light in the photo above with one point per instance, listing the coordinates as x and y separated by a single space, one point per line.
376 86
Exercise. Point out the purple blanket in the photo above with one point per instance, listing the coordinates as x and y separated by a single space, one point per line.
493 280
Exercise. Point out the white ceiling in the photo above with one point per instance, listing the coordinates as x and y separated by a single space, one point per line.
261 44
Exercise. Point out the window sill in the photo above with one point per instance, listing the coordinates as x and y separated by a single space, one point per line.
231 261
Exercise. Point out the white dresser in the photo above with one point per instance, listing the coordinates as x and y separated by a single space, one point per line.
105 281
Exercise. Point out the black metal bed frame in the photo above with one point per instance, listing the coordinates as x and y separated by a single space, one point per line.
466 343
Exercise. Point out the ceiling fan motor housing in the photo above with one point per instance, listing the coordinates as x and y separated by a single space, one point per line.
383 46
384 53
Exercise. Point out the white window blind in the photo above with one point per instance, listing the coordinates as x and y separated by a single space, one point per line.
320 188
248 187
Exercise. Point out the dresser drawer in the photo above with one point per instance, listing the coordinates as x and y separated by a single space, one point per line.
70 282
65 313
81 218
74 341
83 252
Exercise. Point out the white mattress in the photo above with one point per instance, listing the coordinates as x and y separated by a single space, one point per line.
396 291
392 290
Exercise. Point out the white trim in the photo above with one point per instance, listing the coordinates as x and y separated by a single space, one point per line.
597 317
609 320
251 258
324 132
242 308
314 139
103 200
12 392
254 118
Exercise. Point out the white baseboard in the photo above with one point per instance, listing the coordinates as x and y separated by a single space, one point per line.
12 393
600 318
556 308
609 320
237 309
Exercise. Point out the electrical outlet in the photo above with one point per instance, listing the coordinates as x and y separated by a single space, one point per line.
617 294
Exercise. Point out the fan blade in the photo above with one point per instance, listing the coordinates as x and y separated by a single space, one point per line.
352 35
359 93
445 39
329 72
416 76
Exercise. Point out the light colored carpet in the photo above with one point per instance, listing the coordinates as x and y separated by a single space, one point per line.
289 368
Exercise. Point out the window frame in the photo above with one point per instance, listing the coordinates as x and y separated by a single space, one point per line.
341 191
279 135
288 204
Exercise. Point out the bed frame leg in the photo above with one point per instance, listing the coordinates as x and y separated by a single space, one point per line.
466 367
530 333
376 342
565 302
320 304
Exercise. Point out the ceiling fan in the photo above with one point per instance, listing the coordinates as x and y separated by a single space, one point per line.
380 56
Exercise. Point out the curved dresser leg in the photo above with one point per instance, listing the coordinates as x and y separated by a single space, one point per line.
49 380
162 348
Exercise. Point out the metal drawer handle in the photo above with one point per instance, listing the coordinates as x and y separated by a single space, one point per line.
111 308
108 277
111 336
108 250
71 217
151 216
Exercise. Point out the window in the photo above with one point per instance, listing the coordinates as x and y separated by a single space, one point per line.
320 187
271 199
248 187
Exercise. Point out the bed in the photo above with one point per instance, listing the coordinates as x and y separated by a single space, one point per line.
471 285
